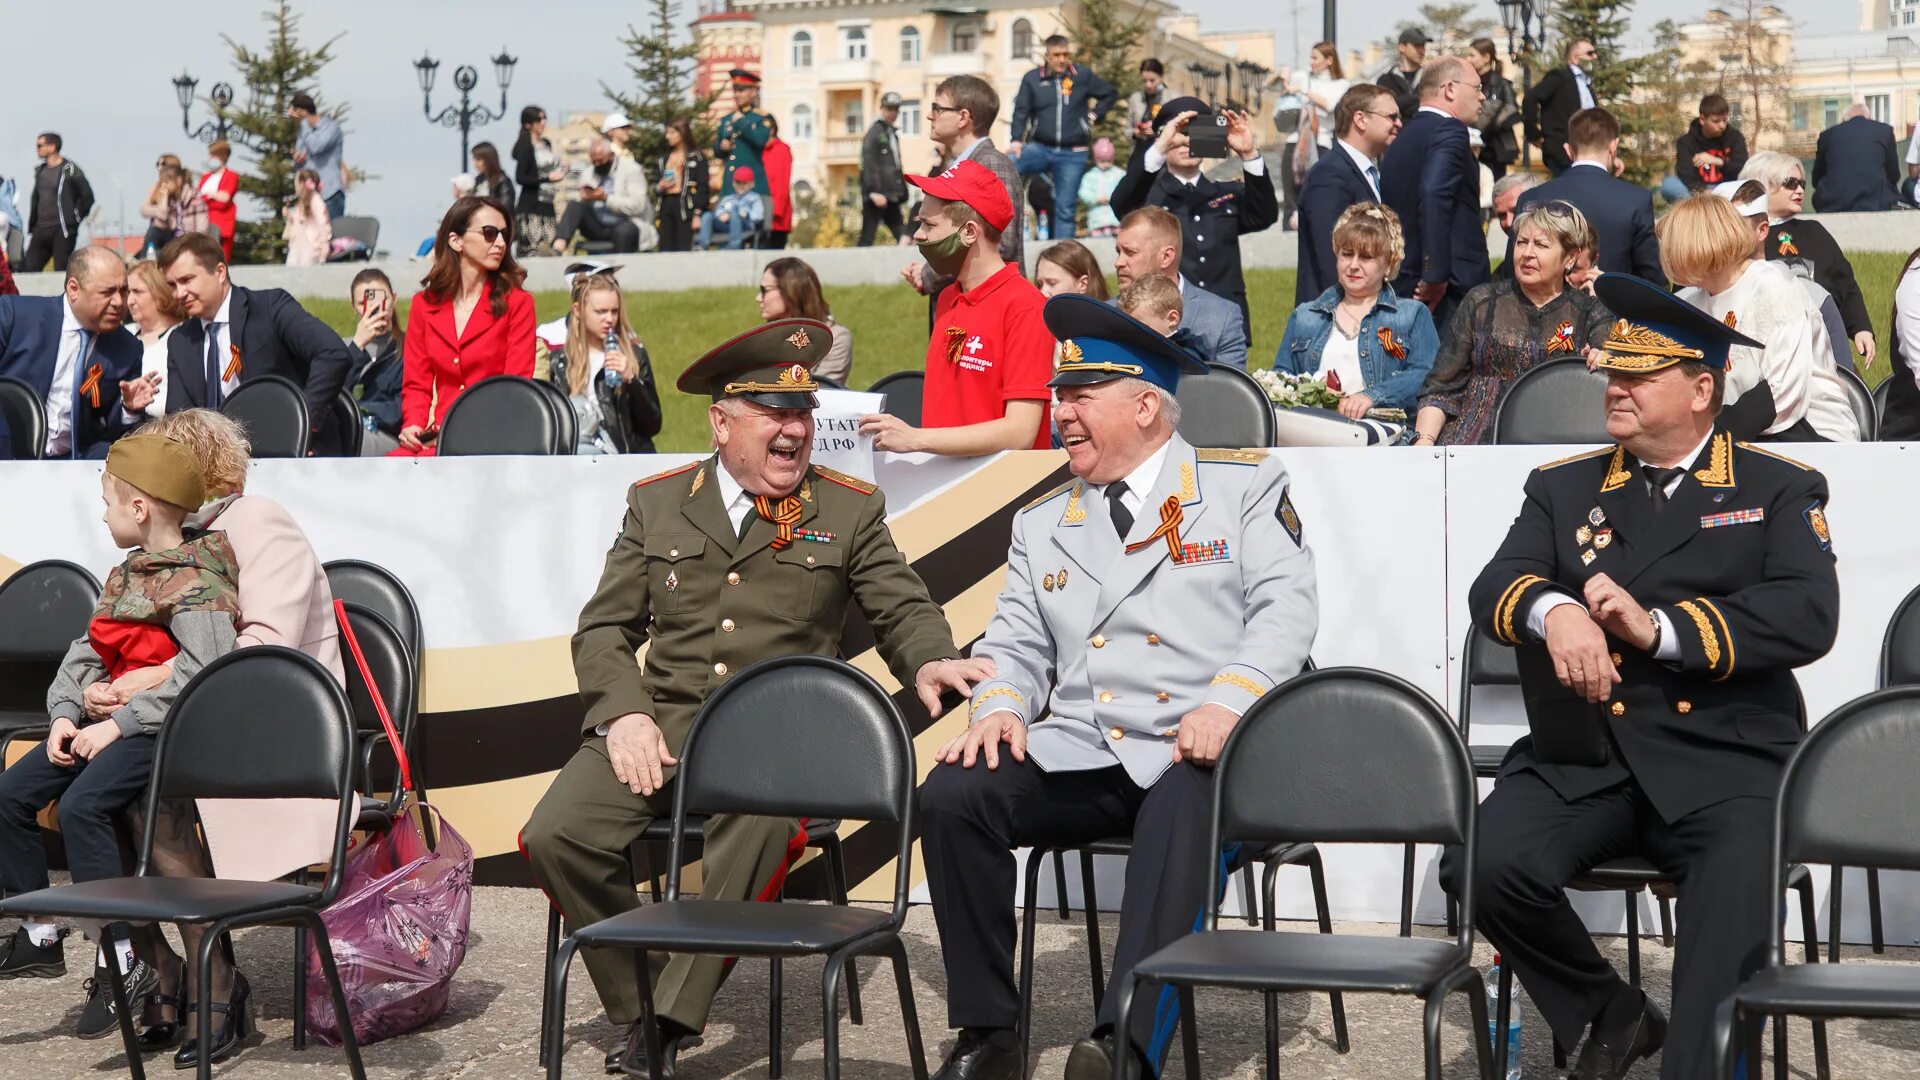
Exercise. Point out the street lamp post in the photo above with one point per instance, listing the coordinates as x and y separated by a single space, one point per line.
466 115
1520 17
1253 81
221 96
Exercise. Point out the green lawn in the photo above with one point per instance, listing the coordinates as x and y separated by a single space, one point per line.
890 328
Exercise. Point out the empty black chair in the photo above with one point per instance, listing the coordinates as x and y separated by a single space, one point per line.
273 409
904 390
1225 409
345 417
1558 402
214 745
569 421
774 740
1899 666
1343 755
1865 411
502 414
375 588
44 608
26 417
1848 797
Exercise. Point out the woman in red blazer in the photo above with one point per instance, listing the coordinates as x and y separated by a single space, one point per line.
470 320
218 187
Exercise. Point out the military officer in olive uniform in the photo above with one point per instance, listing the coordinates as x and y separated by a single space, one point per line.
743 133
1148 602
1660 592
749 554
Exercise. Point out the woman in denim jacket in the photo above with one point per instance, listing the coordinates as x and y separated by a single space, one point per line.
1372 346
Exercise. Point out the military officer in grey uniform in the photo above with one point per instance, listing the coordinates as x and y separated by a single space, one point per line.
1149 601
750 554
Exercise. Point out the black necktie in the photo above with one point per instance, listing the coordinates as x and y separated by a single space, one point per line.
214 392
1659 479
1122 517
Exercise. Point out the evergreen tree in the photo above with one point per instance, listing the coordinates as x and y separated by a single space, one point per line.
1107 41
1667 97
271 76
662 70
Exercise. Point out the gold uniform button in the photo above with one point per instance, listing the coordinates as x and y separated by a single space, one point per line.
809 560
733 578
1619 708
673 553
1106 696
1153 639
1615 657
720 669
1683 707
726 625
1099 641
1162 696
1116 734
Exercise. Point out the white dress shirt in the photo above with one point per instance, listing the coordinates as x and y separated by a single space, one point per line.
1906 299
1139 482
1669 647
1155 161
217 331
737 500
74 342
1365 164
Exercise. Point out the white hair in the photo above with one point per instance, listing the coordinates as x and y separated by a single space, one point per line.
1516 181
1770 167
1169 405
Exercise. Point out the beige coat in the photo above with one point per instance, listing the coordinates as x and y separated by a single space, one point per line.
284 600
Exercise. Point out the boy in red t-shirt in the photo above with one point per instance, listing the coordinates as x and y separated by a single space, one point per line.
991 354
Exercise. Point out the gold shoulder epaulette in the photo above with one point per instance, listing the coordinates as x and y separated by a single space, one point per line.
1574 458
1778 457
688 467
1238 457
844 480
1055 493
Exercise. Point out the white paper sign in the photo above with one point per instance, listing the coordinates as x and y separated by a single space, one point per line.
837 442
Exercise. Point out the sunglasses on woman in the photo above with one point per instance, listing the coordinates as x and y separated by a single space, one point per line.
1793 183
489 233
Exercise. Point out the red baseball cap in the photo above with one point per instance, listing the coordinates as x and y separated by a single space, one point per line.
974 184
743 175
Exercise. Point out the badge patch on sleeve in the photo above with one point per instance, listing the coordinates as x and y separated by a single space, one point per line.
1289 520
1817 521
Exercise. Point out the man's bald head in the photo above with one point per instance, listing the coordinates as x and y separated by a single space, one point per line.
1438 74
97 289
92 260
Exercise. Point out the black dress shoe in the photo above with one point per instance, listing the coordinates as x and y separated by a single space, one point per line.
1092 1059
231 1023
1608 1053
629 1057
977 1057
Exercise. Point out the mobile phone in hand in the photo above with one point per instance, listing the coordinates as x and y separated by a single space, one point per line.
1207 136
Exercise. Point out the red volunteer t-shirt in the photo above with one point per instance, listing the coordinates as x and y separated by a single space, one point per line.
989 346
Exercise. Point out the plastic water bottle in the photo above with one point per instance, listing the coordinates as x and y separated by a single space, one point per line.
1493 1019
613 346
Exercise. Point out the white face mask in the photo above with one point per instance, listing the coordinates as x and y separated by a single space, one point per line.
215 165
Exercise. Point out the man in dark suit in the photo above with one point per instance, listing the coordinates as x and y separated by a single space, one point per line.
1621 213
1364 121
1149 243
234 334
1855 166
77 357
1430 178
883 184
1213 214
1660 593
1550 105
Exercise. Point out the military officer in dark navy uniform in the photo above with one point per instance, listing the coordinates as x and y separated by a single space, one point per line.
1149 602
1213 214
1661 592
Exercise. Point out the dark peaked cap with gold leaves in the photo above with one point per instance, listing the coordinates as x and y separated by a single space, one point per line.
771 364
1655 329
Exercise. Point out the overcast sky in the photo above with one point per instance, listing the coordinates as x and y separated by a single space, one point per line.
119 113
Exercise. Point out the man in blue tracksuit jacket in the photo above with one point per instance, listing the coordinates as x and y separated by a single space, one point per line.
1053 116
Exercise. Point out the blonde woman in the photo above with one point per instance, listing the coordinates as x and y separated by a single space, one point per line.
1506 328
284 600
308 230
1789 390
152 306
1367 342
1807 248
620 413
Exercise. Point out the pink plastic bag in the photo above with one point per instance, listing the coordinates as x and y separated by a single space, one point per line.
399 931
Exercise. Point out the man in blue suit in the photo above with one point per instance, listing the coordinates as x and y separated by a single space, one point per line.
1364 122
1149 242
75 354
1855 166
1621 213
1430 178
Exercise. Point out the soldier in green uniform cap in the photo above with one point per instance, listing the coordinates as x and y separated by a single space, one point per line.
750 554
743 133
